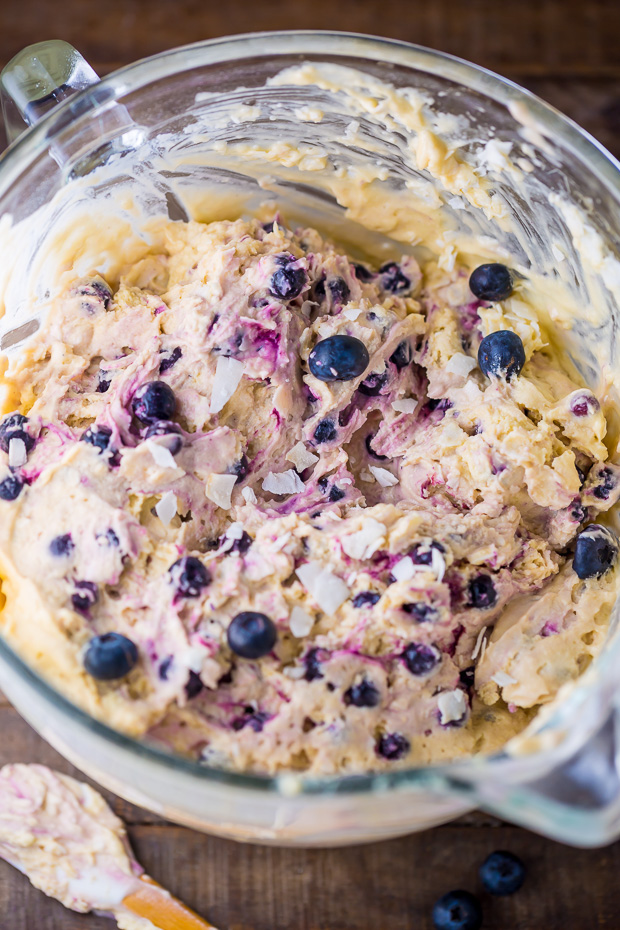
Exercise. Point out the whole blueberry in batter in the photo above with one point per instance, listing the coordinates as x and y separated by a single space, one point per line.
110 656
251 634
492 281
338 358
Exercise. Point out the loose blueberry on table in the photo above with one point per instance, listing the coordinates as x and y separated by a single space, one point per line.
502 873
457 910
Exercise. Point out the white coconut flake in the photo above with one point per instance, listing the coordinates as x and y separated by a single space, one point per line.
366 541
281 542
479 641
460 364
438 563
166 507
301 457
300 622
403 570
161 456
294 671
385 478
503 679
234 531
404 405
452 706
352 313
328 590
17 453
219 489
249 496
287 482
366 476
228 374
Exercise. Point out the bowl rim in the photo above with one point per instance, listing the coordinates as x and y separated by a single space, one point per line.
316 43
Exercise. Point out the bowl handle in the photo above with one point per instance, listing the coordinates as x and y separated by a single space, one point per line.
37 79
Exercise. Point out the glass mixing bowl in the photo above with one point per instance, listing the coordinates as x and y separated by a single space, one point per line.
190 132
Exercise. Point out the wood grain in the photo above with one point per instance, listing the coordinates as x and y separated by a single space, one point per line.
568 52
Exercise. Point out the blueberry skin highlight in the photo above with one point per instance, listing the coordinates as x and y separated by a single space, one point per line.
492 281
10 488
338 358
502 873
596 551
252 635
110 656
501 354
457 910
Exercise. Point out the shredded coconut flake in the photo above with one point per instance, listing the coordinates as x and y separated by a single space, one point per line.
385 478
366 476
301 457
235 531
328 590
17 453
438 563
461 364
166 507
403 570
300 622
219 489
249 496
479 642
161 456
352 313
452 706
294 671
366 541
404 405
228 374
287 482
503 679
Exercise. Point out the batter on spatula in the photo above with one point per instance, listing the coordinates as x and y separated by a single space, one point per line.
61 834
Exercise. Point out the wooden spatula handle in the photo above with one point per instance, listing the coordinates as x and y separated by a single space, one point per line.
164 911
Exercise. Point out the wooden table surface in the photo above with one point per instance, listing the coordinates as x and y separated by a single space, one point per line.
567 51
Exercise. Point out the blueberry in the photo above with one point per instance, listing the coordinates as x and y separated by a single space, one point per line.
109 538
170 359
98 290
313 665
338 358
86 594
103 383
325 432
189 576
371 451
502 873
336 494
605 483
166 428
339 289
402 355
255 720
393 280
252 634
421 659
482 593
467 676
421 613
240 469
110 656
491 282
10 488
501 354
62 545
287 282
423 555
366 599
240 545
457 910
596 551
362 273
584 404
154 401
165 667
392 746
193 685
374 383
364 694
97 436
13 427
